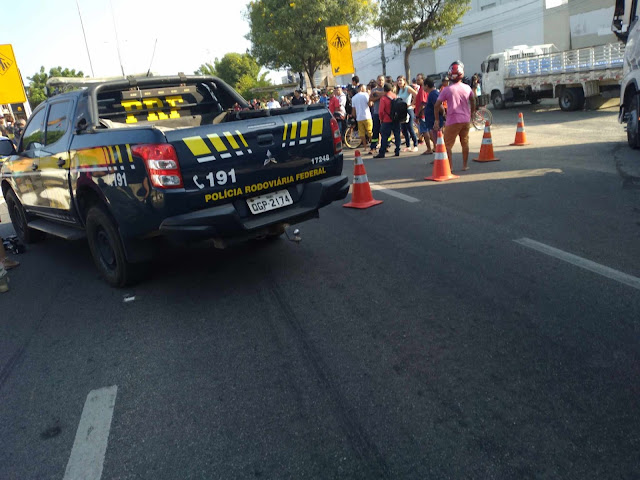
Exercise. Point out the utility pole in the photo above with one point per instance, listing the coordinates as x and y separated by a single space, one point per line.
384 60
85 39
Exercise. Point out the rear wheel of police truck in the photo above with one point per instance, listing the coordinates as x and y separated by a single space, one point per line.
106 248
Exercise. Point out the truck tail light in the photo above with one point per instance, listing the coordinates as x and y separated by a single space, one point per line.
162 164
335 134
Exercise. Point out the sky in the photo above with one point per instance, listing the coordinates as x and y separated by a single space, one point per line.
189 33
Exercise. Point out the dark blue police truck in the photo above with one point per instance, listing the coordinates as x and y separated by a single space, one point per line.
122 161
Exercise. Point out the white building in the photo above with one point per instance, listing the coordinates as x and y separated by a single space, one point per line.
494 25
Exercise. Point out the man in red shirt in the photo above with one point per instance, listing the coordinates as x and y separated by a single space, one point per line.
387 125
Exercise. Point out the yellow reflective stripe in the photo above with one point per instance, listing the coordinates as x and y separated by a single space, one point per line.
316 126
231 140
196 145
129 153
284 134
217 143
294 130
244 142
304 128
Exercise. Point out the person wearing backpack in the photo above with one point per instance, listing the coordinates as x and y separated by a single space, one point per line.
390 114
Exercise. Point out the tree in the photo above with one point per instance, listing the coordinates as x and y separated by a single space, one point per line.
291 34
206 69
240 70
36 90
407 22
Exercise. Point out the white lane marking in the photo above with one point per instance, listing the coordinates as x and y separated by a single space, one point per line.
393 193
90 446
616 275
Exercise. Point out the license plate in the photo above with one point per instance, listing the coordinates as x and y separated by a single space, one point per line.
270 201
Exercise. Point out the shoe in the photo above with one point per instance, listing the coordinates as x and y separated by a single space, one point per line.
9 264
415 148
406 149
397 153
380 155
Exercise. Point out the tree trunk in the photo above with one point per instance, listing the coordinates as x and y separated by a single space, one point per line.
407 66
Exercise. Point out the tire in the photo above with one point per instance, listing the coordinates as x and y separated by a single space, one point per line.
571 99
534 101
498 101
19 220
106 248
351 137
633 136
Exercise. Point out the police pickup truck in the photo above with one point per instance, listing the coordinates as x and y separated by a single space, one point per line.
122 161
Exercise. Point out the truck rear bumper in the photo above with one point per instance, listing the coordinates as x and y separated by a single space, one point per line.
225 223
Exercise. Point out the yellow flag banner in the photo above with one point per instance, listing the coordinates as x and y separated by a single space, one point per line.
339 44
11 89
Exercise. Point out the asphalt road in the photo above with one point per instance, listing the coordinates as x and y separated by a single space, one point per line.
416 339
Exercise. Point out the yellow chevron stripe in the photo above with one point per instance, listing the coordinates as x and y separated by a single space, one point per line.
316 126
217 143
294 130
284 134
304 128
231 140
244 142
129 153
197 145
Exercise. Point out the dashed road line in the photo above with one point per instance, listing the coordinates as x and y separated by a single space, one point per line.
605 271
90 446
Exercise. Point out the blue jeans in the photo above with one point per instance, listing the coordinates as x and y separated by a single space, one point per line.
407 130
385 132
376 131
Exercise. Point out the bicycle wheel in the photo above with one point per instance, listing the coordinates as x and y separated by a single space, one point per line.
351 137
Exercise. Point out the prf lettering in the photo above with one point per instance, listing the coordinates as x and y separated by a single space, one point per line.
154 108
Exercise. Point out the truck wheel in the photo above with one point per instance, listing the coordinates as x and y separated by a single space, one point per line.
534 100
498 101
571 99
19 220
106 247
633 138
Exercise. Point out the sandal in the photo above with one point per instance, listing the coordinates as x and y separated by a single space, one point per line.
8 264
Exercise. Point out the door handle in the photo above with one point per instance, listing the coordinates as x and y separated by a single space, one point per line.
34 166
61 162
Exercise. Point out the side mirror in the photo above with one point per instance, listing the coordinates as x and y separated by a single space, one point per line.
7 148
483 67
81 125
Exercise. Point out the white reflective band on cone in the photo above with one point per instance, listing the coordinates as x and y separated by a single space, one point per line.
440 156
487 130
360 179
519 129
486 141
359 160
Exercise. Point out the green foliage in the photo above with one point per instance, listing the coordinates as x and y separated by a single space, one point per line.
291 33
36 89
206 69
240 70
407 22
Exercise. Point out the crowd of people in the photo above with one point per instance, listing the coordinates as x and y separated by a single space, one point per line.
445 107
10 128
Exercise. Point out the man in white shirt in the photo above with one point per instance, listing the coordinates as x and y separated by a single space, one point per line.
273 103
360 109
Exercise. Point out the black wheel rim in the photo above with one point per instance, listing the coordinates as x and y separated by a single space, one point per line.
105 250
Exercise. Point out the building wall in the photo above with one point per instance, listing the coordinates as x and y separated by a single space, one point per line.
556 21
590 22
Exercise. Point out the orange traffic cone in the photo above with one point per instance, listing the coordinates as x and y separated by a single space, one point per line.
486 150
361 196
521 136
441 167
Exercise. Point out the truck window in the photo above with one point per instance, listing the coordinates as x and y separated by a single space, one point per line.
57 122
493 65
34 132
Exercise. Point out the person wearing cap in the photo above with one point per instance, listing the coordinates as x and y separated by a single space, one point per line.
461 105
